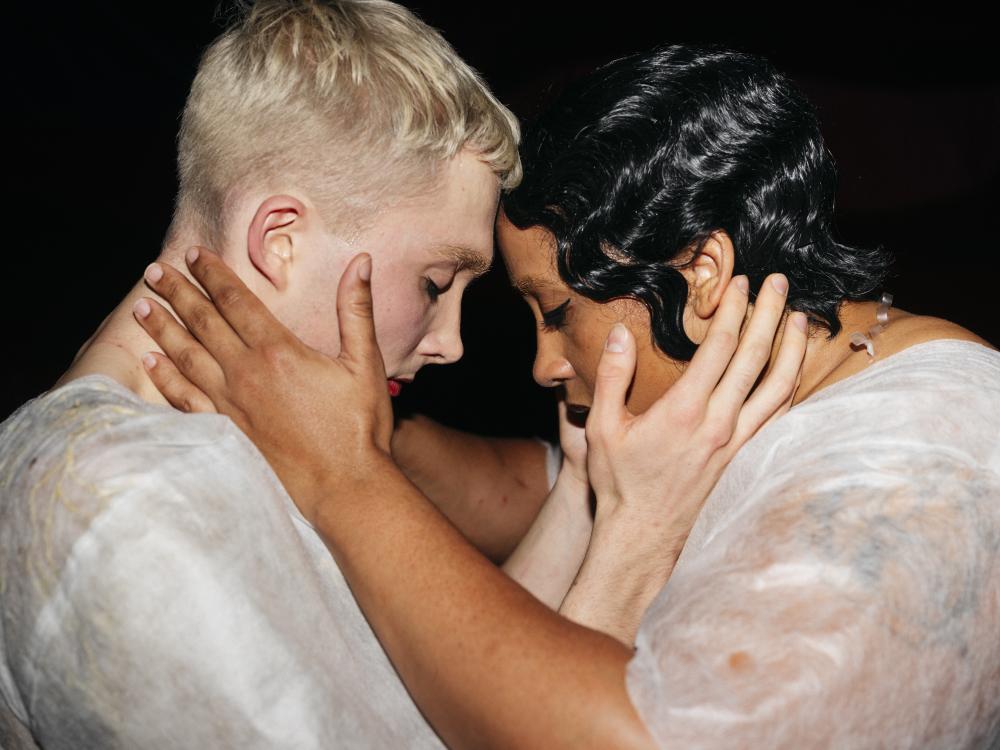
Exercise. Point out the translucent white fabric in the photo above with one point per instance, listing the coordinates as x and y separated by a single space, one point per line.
841 587
158 589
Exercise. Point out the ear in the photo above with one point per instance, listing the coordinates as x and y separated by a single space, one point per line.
276 232
709 274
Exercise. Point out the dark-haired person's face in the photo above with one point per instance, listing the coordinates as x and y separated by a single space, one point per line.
571 329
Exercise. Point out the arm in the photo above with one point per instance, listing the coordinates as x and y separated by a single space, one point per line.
488 663
490 488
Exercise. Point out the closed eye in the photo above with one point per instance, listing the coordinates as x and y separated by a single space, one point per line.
433 290
556 317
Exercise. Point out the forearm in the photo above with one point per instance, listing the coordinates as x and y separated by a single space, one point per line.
618 580
488 664
548 558
491 489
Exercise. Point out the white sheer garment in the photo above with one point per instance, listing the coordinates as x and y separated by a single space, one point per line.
841 587
159 589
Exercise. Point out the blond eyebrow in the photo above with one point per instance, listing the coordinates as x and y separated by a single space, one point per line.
465 259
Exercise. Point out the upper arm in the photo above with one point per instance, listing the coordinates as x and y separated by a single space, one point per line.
833 614
491 489
145 643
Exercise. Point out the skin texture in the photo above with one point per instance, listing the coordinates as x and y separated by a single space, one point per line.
278 245
552 682
491 489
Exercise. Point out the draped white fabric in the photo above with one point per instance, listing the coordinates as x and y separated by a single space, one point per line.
158 589
841 587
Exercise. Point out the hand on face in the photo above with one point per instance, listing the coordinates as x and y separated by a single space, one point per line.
652 473
307 413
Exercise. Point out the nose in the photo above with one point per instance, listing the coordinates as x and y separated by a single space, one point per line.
551 368
444 341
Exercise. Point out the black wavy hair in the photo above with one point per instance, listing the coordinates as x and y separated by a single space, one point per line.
645 157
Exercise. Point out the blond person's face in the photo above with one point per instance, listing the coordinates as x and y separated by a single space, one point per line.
572 330
425 252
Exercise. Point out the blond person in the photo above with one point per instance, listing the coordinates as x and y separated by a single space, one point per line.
158 589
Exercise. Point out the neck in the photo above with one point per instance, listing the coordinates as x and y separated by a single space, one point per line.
828 360
116 348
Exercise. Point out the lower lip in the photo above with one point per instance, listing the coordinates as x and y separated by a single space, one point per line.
395 388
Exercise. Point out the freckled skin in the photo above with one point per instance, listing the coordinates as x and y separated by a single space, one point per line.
569 356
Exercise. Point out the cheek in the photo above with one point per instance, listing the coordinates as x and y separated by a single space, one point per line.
655 374
400 321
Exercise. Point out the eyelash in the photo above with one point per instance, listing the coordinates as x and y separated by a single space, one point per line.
555 318
433 290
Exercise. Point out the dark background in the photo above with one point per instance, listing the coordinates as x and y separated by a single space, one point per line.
93 96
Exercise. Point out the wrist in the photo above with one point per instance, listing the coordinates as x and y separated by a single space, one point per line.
618 580
572 479
337 491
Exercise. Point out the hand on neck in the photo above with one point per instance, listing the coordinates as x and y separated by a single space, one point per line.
116 348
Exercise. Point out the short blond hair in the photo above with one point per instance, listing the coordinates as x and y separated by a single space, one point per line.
358 100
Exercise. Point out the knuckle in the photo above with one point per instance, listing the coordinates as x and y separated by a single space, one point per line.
781 382
687 413
199 319
719 432
229 296
726 340
361 306
186 359
759 352
276 355
169 285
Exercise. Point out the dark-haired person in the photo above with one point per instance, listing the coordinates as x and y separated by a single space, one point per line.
840 587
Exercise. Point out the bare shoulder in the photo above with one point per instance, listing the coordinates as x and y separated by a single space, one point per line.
908 330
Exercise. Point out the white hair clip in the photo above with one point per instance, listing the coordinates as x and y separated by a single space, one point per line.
882 320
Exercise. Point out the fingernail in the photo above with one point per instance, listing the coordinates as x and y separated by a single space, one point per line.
365 269
141 308
192 255
616 339
153 273
800 321
148 361
743 284
780 283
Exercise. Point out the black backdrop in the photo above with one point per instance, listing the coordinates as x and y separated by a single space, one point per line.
910 111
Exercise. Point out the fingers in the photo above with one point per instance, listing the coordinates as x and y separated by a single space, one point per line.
715 352
192 360
177 389
614 376
754 350
246 315
773 396
356 321
195 310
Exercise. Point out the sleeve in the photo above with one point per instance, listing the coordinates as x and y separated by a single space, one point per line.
187 616
859 608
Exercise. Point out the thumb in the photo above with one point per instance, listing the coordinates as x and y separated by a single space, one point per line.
354 315
614 376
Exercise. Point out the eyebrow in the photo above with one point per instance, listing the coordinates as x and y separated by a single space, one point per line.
466 259
532 285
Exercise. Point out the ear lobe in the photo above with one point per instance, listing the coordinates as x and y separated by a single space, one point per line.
709 274
275 232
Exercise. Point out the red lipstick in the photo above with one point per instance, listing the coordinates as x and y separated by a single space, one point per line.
395 388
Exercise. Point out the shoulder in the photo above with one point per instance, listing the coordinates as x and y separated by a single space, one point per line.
910 330
873 574
100 486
